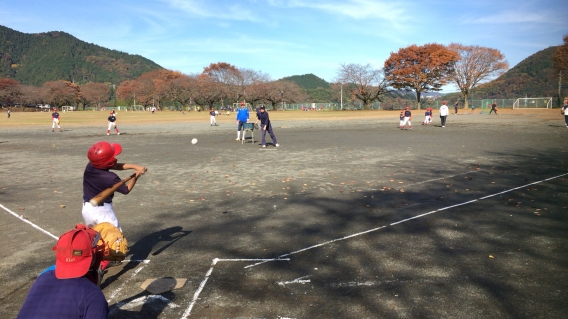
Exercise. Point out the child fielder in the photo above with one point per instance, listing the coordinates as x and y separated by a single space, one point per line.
401 118
55 117
427 117
407 119
112 123
212 120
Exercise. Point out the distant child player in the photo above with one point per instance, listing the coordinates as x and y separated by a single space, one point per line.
212 114
407 119
55 118
242 118
112 123
444 111
427 117
493 108
565 112
401 117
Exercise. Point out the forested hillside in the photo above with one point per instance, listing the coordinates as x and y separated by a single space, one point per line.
308 81
33 59
316 88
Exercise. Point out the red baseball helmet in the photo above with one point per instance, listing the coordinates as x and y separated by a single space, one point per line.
102 154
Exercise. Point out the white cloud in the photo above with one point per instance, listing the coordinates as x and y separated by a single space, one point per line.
510 17
393 12
209 9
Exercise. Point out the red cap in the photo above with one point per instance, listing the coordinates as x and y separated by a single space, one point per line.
75 251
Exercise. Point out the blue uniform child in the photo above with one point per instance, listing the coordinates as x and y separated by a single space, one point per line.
242 118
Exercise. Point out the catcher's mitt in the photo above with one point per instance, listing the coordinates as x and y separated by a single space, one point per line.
116 246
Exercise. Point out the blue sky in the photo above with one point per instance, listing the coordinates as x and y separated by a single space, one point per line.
292 37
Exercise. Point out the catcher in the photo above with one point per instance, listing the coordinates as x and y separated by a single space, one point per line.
69 288
55 119
98 177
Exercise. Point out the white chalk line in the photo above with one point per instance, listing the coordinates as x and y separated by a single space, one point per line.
114 293
408 219
187 312
21 217
429 180
300 280
437 179
144 261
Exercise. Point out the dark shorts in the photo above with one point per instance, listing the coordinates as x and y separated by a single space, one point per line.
240 125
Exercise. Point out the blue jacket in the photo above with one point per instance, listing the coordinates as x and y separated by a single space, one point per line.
242 114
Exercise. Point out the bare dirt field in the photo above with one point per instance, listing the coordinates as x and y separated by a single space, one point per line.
350 217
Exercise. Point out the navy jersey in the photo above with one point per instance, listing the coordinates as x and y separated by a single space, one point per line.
407 113
263 117
96 180
50 297
55 115
401 116
112 118
212 113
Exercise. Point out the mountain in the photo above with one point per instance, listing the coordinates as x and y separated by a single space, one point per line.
532 77
33 59
308 81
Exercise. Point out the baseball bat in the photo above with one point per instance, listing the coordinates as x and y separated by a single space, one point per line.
95 201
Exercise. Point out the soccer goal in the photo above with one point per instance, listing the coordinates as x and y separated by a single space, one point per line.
533 103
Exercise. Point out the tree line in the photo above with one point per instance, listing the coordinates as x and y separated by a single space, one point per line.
417 69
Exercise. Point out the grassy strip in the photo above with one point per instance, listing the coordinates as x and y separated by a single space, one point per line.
97 118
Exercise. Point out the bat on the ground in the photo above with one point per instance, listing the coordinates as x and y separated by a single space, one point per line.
95 201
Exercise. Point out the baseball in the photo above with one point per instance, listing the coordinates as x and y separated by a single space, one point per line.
194 141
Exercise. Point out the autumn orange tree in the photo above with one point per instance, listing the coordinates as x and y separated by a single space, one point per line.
161 80
59 93
95 93
364 83
208 91
126 92
475 65
422 68
280 92
181 89
32 95
560 62
228 77
10 91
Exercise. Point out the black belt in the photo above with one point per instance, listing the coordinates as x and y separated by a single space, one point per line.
101 204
